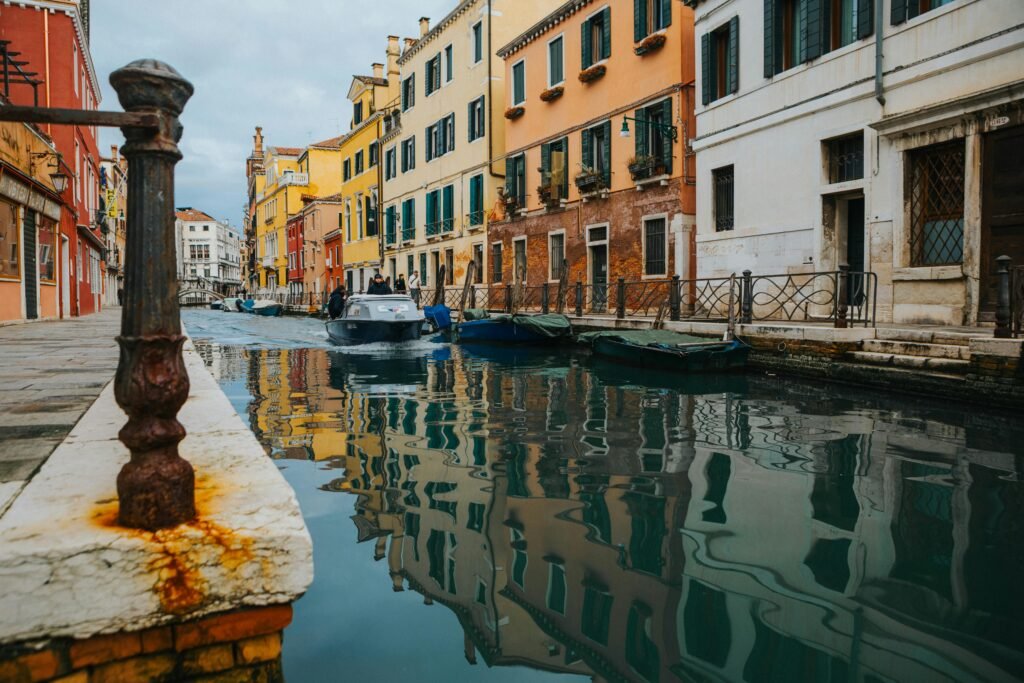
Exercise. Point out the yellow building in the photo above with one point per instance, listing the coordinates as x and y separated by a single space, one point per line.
443 137
289 174
361 171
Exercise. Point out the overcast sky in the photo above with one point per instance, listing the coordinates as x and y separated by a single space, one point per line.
285 65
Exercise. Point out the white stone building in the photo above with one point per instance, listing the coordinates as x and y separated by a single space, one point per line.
808 157
208 250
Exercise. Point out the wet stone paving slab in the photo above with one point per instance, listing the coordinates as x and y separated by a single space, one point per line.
53 371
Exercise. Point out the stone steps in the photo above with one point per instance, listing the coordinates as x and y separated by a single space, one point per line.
927 336
951 366
919 349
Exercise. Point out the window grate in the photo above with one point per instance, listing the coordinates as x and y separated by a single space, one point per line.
846 158
936 195
724 186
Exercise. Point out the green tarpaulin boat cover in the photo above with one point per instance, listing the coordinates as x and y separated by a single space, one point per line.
475 314
547 325
644 337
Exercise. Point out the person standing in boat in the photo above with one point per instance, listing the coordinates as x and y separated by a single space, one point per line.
414 286
336 304
400 287
378 286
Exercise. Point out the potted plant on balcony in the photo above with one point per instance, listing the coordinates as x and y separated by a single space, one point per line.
644 166
650 44
593 73
589 180
513 113
509 202
552 94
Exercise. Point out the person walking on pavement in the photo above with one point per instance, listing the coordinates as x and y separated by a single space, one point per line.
336 304
400 287
378 286
414 286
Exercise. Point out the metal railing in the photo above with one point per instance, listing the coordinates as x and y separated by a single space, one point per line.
839 297
1017 300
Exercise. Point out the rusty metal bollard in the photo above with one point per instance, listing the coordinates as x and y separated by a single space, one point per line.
1003 314
747 299
620 305
674 296
544 291
156 488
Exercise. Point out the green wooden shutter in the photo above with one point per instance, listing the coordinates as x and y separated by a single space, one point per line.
586 59
474 199
865 18
448 196
666 13
587 157
545 163
641 133
734 55
812 29
607 144
565 168
469 120
898 11
706 83
769 38
639 20
412 90
666 118
510 172
606 33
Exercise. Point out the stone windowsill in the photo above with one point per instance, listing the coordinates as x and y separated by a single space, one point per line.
661 180
69 570
927 273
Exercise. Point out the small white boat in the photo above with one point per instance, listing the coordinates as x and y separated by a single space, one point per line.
231 305
371 318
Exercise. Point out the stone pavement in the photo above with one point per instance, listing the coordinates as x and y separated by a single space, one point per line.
52 373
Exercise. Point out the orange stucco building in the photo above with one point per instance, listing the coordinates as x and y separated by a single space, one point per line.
613 202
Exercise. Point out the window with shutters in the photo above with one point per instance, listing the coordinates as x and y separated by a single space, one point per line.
348 221
655 247
478 256
904 10
650 16
720 61
723 187
448 208
430 143
515 179
596 38
432 75
409 220
370 202
449 64
496 262
554 158
476 119
359 217
845 158
424 275
433 211
935 187
449 134
652 140
518 83
390 163
556 62
478 42
409 154
346 170
409 93
390 225
374 153
359 162
476 200
798 31
357 113
596 143
556 254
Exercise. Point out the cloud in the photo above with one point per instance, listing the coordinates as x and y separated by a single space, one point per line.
284 65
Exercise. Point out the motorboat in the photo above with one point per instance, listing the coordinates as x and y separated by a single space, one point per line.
666 350
369 318
265 307
215 305
231 305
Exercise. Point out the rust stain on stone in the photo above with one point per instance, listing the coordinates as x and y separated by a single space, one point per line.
180 554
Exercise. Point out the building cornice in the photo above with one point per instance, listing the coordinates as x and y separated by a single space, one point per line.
543 26
461 9
72 10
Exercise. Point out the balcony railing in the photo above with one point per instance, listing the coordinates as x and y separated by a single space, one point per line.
294 179
268 261
409 234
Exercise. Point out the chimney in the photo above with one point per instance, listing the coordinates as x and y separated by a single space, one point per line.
394 52
257 142
113 153
409 42
378 70
424 26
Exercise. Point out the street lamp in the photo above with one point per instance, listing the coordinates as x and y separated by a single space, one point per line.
665 128
59 179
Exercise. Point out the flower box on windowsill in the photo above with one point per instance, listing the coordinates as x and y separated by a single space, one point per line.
552 94
643 168
650 44
593 73
590 183
513 113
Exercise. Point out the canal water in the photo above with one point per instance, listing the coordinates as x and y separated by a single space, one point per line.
498 514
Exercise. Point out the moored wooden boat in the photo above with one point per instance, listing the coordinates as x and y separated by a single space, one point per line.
668 350
516 329
266 307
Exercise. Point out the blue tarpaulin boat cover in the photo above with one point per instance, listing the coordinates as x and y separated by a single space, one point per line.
440 314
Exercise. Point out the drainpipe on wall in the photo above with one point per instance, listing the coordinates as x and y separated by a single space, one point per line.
879 36
490 91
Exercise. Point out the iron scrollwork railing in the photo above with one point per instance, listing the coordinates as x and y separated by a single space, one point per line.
838 296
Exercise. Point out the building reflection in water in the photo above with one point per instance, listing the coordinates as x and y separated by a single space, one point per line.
576 518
